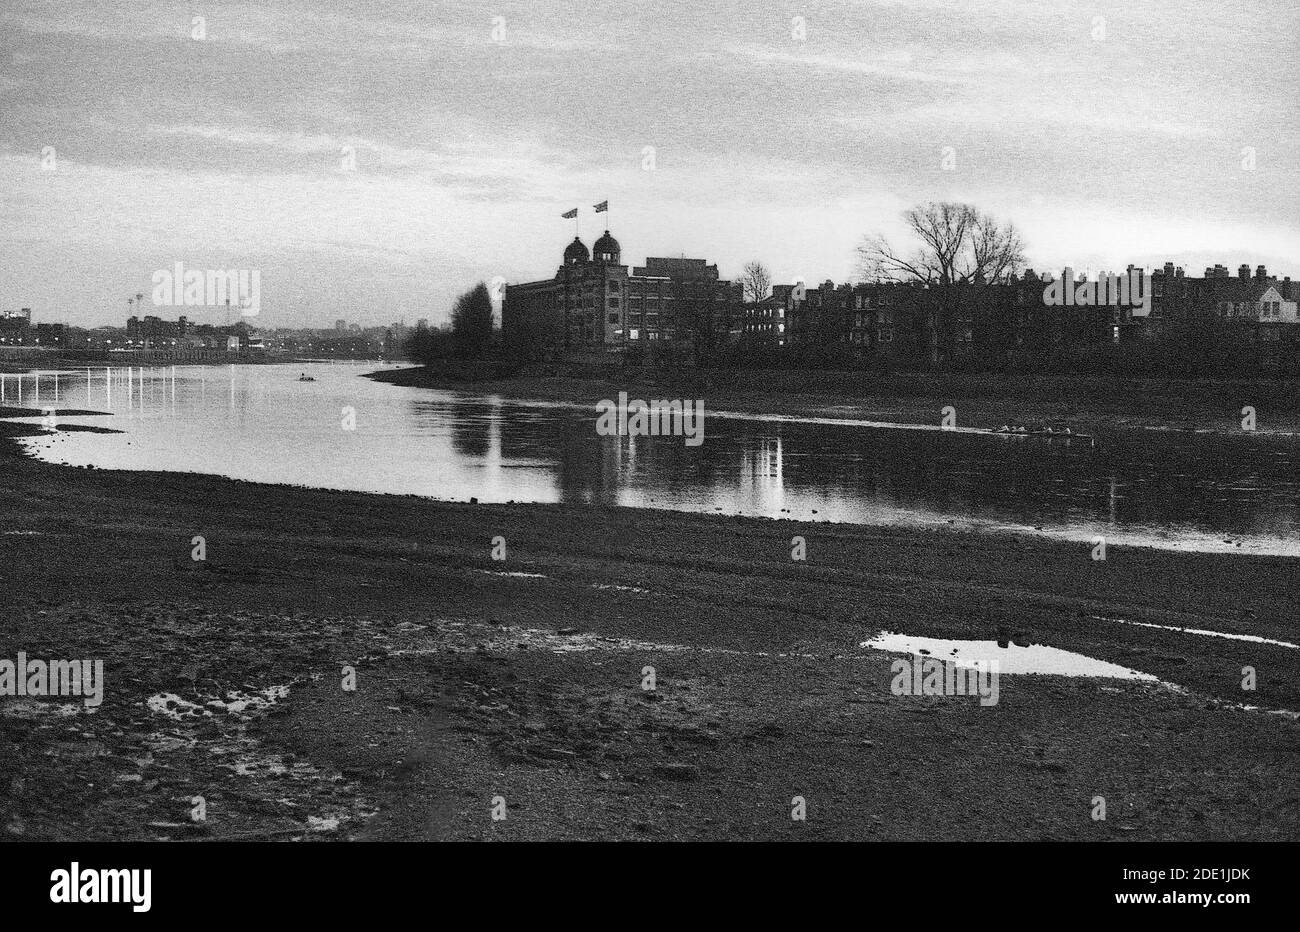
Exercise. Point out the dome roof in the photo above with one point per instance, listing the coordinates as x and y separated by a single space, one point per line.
606 246
576 252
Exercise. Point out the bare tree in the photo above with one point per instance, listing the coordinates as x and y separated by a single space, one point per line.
957 245
756 280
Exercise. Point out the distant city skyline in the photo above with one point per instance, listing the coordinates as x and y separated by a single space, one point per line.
731 134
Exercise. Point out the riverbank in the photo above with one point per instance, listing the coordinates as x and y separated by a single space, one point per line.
1090 404
225 679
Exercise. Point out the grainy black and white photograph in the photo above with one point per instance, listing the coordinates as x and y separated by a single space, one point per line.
862 421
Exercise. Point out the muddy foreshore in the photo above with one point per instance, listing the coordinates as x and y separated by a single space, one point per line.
1092 404
522 679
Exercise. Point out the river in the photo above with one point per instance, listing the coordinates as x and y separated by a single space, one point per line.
1200 492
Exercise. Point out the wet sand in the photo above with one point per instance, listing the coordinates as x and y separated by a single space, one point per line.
1087 404
522 679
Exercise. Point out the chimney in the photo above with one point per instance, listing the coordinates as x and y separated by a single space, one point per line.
1261 273
1178 273
1209 272
1243 272
1169 269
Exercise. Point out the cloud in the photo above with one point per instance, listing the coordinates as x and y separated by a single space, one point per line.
468 148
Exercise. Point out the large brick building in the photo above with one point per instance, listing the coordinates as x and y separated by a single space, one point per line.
594 303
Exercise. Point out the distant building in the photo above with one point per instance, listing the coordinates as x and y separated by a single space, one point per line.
51 335
1256 298
14 327
765 320
880 319
594 303
155 333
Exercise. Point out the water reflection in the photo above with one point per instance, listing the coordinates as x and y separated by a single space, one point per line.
1188 491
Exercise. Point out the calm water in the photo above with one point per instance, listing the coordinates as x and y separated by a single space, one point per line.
1215 493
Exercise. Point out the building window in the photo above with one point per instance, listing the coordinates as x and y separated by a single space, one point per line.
635 334
613 318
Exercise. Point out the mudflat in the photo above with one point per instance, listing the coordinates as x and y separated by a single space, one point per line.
516 686
1087 403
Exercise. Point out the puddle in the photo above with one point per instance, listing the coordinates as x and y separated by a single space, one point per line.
620 588
174 707
1012 659
238 703
235 703
1252 638
516 575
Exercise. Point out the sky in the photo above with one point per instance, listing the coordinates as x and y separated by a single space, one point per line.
374 159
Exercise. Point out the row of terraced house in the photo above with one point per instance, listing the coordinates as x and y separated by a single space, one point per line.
916 323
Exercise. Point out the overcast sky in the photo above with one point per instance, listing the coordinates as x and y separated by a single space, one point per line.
227 152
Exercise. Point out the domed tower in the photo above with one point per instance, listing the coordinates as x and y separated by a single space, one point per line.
606 250
576 252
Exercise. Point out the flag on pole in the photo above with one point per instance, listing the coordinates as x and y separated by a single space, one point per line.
570 215
602 207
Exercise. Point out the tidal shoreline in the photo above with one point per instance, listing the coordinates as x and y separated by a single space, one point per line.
523 678
1087 404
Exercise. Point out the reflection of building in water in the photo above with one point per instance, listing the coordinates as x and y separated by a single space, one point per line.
762 478
588 469
467 426
1177 485
475 431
